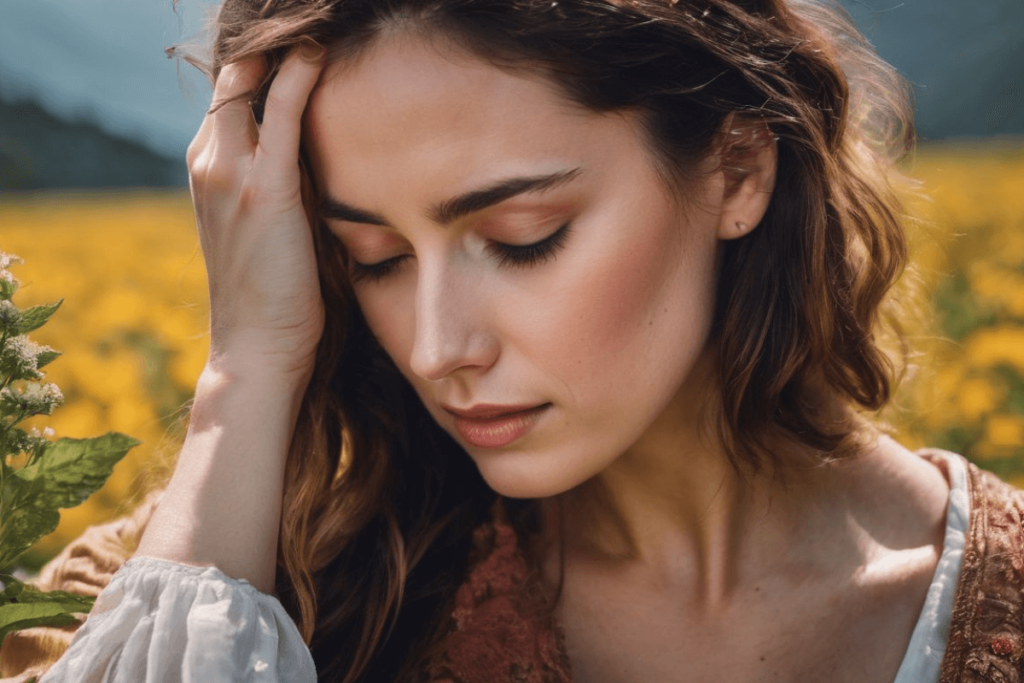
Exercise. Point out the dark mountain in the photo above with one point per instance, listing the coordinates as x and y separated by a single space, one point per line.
41 151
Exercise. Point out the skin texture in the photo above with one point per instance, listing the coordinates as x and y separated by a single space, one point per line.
676 568
634 280
222 507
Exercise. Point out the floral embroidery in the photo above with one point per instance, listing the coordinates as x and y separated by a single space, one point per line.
986 640
499 632
1001 646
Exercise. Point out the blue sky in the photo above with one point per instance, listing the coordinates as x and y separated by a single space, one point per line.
103 60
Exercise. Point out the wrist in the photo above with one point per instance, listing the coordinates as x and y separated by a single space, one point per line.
247 351
284 372
247 388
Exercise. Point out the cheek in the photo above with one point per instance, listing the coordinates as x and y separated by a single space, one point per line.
616 343
629 314
603 310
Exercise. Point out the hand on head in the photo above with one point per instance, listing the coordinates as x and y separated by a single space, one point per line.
265 304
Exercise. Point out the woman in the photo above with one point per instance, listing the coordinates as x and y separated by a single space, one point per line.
630 258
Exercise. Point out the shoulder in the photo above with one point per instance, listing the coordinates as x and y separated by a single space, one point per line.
986 640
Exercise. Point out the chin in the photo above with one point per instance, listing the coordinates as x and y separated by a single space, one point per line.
528 475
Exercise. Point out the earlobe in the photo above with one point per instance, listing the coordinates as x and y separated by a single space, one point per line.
748 163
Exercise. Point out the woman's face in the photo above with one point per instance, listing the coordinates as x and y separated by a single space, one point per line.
518 252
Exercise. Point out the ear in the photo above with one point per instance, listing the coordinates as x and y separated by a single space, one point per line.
749 158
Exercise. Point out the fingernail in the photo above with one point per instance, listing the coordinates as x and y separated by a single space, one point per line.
311 51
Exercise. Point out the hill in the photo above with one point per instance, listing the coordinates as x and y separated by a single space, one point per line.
41 151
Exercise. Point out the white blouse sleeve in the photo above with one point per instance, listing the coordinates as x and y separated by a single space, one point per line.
163 622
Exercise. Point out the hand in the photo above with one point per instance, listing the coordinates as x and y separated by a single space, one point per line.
266 312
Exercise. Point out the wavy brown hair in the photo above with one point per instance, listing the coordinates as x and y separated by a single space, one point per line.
379 502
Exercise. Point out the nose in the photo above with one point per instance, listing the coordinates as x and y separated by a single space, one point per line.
453 330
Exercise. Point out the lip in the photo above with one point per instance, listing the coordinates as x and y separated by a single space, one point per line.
487 411
494 426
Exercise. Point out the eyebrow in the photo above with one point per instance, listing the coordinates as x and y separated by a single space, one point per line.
453 209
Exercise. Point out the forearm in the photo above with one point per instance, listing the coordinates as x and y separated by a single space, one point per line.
223 504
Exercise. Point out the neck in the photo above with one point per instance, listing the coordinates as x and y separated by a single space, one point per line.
675 506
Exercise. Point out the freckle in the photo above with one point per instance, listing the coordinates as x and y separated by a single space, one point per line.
762 659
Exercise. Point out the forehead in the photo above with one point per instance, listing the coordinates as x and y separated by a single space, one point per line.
412 109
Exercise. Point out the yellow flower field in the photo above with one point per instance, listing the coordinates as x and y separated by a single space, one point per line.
968 391
132 327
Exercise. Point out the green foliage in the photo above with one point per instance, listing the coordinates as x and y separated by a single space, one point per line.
38 476
36 317
962 312
27 607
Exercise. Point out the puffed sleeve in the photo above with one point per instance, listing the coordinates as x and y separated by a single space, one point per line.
164 622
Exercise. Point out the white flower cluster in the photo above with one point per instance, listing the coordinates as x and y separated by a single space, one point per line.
19 358
8 285
47 433
6 260
34 399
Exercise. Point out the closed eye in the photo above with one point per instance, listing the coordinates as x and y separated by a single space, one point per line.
521 256
507 256
375 271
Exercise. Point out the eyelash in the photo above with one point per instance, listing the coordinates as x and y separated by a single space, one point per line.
507 255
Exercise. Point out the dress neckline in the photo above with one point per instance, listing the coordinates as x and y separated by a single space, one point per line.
502 627
922 660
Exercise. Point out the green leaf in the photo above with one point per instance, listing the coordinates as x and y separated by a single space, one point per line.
30 616
70 470
12 588
22 615
66 473
72 601
8 286
9 317
36 317
22 528
37 608
46 357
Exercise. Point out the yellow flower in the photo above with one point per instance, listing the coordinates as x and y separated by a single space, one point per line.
1003 438
977 397
995 346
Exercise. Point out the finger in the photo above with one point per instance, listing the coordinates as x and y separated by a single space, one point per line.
230 112
287 99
